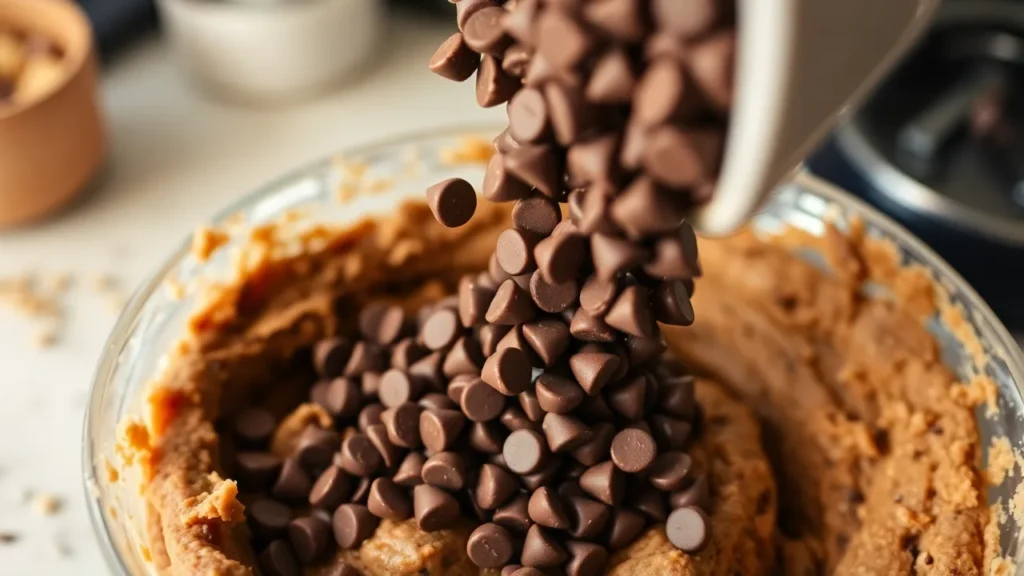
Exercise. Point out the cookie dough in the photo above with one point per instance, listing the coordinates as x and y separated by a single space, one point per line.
832 438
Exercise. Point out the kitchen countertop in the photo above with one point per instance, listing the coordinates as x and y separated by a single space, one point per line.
176 158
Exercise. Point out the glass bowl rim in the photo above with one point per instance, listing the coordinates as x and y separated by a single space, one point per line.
991 329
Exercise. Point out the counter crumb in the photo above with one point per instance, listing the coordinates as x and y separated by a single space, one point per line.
1001 461
45 504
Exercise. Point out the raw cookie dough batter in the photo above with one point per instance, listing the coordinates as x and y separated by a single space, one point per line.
875 465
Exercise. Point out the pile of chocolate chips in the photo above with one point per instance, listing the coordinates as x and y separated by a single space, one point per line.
536 403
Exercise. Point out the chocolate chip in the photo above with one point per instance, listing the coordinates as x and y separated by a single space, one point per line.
388 500
343 397
612 79
434 508
257 470
688 529
661 94
559 257
536 214
624 527
490 335
551 297
493 85
397 388
507 371
696 494
514 251
514 515
541 549
677 158
279 560
631 312
366 357
549 338
440 428
454 60
410 471
473 300
437 401
330 356
310 537
379 436
524 571
672 304
403 425
595 408
592 367
516 59
642 350
315 446
676 256
633 450
268 518
587 516
514 419
571 115
446 470
598 448
670 471
500 185
614 256
670 433
452 201
515 339
331 489
547 509
586 558
605 482
486 437
592 161
467 8
543 477
628 397
429 369
318 393
457 386
490 546
676 397
480 402
687 19
528 119
353 524
531 407
651 503
565 433
440 329
484 32
561 40
494 486
538 166
558 395
381 323
598 294
644 209
254 427
511 305
370 384
359 457
525 451
589 328
293 483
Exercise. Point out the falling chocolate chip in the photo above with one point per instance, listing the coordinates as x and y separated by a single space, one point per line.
493 85
452 202
454 60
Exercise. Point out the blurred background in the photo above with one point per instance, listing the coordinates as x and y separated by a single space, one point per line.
125 124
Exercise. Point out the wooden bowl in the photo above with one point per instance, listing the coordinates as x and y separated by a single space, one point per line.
51 146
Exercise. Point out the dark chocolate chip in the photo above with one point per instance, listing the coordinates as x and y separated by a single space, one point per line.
558 395
651 503
549 337
531 407
437 401
559 257
562 40
293 483
379 436
514 515
500 185
525 451
410 471
598 448
359 457
344 397
537 214
589 328
440 428
278 559
624 527
315 446
403 425
547 509
434 508
268 518
474 298
353 524
254 427
446 470
661 93
588 517
398 387
511 305
670 433
366 357
508 371
670 471
330 356
551 297
538 166
331 489
515 60
633 450
688 529
452 201
565 433
678 159
494 486
541 549
586 558
382 323
605 482
614 256
628 397
696 494
645 209
487 437
592 367
257 471
593 161
631 312
484 31
454 60
528 119
310 537
612 79
514 251
388 500
672 304
490 546
493 85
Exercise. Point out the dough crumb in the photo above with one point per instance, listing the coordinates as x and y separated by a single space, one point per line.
112 474
1002 567
1017 504
469 150
206 241
133 445
220 504
147 556
980 390
45 504
1001 461
44 338
103 283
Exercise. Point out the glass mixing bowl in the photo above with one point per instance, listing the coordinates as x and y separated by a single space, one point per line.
153 320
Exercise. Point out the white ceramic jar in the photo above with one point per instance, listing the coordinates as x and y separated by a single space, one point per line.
272 51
